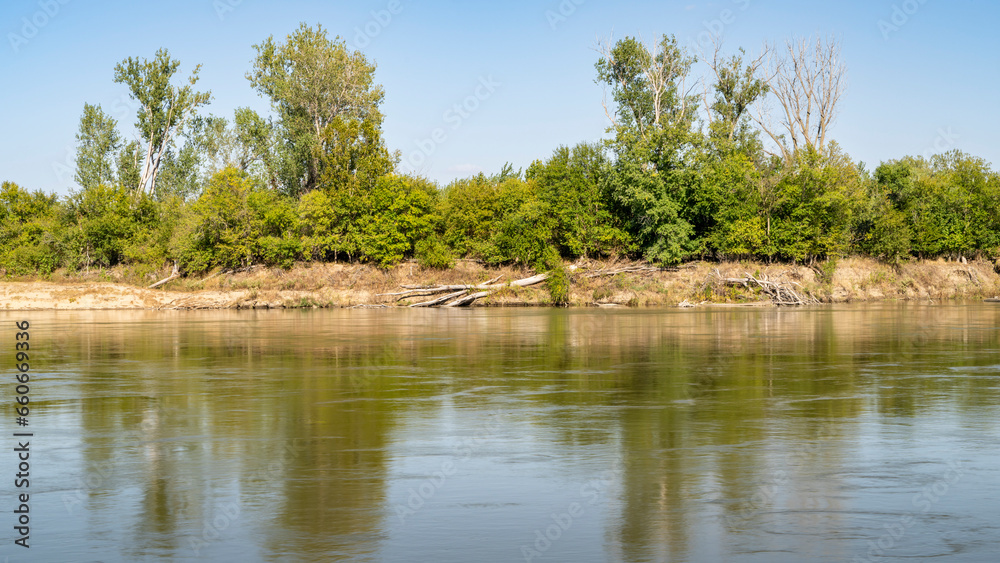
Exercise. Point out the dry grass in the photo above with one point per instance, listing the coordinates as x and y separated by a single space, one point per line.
347 285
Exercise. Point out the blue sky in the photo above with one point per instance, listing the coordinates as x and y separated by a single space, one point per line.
524 71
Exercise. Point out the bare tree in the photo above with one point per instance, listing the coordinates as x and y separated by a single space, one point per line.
807 79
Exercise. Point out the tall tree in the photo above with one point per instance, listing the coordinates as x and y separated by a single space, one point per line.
653 142
649 85
807 80
164 109
98 143
738 85
313 81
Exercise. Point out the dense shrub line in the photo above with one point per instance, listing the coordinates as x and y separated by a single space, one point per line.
317 183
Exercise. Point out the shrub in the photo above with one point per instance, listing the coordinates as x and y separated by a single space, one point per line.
234 225
523 237
558 285
434 253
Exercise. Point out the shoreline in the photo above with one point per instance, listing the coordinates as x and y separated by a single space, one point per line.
336 285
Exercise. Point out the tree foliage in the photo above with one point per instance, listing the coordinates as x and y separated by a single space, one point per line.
313 81
98 143
164 108
316 181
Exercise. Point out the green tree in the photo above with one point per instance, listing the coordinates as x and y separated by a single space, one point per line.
570 184
646 204
737 87
815 210
648 86
473 208
164 109
382 224
28 225
233 224
98 143
311 81
732 211
107 226
654 144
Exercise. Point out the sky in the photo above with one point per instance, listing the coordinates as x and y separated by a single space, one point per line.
470 86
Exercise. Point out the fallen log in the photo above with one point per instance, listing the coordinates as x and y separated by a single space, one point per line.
627 270
440 300
468 299
529 281
460 295
423 290
173 275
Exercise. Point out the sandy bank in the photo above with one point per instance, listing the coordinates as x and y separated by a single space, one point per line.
350 285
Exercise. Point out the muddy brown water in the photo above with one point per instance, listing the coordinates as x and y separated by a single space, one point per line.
846 433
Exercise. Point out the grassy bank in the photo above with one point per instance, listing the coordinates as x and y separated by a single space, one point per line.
349 285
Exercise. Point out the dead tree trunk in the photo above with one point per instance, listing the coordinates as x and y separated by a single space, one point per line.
173 275
460 295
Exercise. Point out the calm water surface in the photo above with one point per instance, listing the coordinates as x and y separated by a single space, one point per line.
826 434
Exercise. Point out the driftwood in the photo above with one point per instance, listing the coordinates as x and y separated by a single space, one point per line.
173 276
780 293
460 295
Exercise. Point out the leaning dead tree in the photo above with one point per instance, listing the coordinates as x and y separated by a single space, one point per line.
173 275
460 295
807 80
780 293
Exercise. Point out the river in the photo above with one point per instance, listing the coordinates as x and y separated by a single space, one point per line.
840 433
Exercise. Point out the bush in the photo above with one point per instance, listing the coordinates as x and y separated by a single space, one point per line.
233 225
570 183
380 225
473 209
27 223
524 237
558 285
434 253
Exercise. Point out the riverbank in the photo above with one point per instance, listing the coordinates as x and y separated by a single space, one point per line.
593 283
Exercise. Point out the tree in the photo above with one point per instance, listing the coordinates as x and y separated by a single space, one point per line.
98 143
653 144
807 81
381 224
473 208
164 109
129 165
814 211
255 139
233 224
570 183
352 155
212 144
108 223
28 222
738 85
648 85
647 206
312 81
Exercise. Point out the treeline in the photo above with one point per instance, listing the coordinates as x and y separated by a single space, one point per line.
684 174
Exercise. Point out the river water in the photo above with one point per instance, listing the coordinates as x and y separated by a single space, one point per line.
848 433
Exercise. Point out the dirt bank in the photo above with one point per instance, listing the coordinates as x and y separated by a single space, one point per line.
349 285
